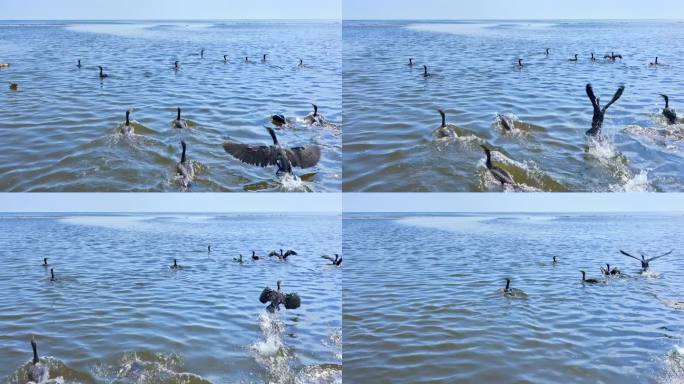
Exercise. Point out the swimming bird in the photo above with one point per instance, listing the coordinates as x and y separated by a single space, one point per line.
202 53
45 263
4 65
314 117
263 59
589 280
38 372
555 261
179 122
513 292
278 120
520 64
184 168
225 58
410 63
610 272
653 64
52 275
507 289
599 113
176 65
127 129
499 174
612 56
276 298
175 265
444 131
547 51
575 59
337 260
254 256
102 74
246 59
592 57
279 155
281 255
644 261
13 86
506 122
79 63
426 74
239 260
209 248
669 113
301 63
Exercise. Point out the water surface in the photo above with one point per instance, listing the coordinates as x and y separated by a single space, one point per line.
118 314
390 110
61 128
423 300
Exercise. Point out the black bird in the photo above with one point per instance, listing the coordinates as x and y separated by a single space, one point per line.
276 298
610 272
225 58
239 260
301 63
276 154
45 263
180 122
254 256
425 72
644 261
547 51
127 129
589 280
175 65
209 248
184 168
499 174
79 63
612 56
246 59
410 64
281 255
202 53
554 260
520 64
506 122
337 260
599 113
52 275
575 59
102 74
278 120
669 113
592 57
176 266
38 372
653 64
263 59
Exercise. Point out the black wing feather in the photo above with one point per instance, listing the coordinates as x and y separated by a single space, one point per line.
304 157
259 155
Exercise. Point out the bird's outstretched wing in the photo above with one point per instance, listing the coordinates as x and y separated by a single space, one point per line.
659 256
628 255
289 253
303 157
590 94
332 259
259 155
267 295
616 96
273 253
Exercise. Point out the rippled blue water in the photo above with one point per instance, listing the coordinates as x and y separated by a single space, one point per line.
390 110
423 300
61 129
118 314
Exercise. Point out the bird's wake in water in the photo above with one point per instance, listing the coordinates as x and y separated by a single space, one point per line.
147 367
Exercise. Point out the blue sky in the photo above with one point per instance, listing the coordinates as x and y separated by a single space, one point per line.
168 9
517 9
333 202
